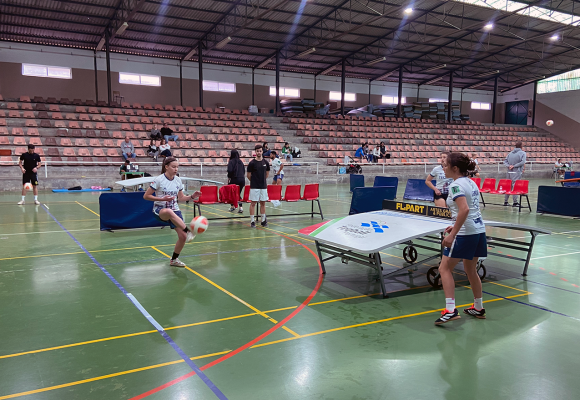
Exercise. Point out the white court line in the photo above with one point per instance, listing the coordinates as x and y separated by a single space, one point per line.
556 255
61 231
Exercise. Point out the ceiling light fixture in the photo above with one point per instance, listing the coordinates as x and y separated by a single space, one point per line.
385 75
327 70
265 62
375 61
122 28
476 85
488 26
487 73
223 42
433 80
435 68
190 54
101 44
306 52
408 10
554 37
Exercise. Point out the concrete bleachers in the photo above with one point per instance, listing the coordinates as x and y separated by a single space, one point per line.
410 141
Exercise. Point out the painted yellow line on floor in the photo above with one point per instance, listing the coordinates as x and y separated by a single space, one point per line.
98 378
86 208
251 307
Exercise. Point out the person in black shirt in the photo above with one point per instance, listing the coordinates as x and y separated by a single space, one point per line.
258 171
29 164
265 150
237 176
167 133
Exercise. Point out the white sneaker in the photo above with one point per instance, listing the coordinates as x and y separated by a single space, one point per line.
21 202
37 202
241 210
190 237
176 263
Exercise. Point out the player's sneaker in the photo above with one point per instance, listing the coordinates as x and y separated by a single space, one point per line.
240 210
253 224
21 203
190 236
176 263
37 202
447 316
232 209
474 312
264 223
516 204
505 203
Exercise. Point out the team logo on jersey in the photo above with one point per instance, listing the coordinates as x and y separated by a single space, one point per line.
455 190
375 225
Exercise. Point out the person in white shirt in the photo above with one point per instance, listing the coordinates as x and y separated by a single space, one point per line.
165 191
442 183
376 154
477 169
164 150
277 168
465 240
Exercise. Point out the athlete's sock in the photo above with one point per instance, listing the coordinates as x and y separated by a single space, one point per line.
174 256
186 229
35 197
23 198
263 217
252 218
449 304
478 303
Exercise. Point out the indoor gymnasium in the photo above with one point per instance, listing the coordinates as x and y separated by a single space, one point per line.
289 199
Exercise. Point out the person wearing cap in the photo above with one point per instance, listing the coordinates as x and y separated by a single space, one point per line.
29 164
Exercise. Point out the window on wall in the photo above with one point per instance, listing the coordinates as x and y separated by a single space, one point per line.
285 92
46 71
480 106
347 96
393 100
560 83
437 100
136 79
215 86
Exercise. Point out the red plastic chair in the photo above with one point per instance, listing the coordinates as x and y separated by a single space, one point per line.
503 187
274 192
246 197
311 194
292 193
488 185
209 195
477 181
521 189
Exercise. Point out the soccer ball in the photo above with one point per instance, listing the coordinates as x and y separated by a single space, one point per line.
28 186
549 122
198 225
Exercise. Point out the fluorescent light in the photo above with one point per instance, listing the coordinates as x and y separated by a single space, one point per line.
306 52
327 70
385 75
408 10
122 28
435 68
223 42
433 80
190 54
101 44
476 85
265 62
555 37
375 61
487 73
488 26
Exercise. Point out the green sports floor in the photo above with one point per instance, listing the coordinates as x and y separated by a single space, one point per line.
254 313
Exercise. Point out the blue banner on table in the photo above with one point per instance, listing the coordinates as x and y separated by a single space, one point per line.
559 200
416 189
127 211
366 199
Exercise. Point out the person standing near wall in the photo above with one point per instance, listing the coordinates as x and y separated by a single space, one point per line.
258 171
515 162
237 176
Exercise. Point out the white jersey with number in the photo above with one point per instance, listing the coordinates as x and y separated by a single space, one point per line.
276 165
443 182
165 187
465 187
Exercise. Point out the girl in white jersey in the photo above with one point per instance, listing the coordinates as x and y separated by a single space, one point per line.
464 240
168 190
441 190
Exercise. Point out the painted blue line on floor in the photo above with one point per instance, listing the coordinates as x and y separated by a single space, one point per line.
537 283
157 326
532 305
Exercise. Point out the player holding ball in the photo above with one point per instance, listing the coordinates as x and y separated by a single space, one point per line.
29 164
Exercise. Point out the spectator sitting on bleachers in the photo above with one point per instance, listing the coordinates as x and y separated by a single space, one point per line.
155 133
360 152
266 150
167 133
127 149
376 154
152 150
286 152
164 150
559 168
383 150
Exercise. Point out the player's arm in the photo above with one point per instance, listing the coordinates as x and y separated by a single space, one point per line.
267 169
430 185
149 196
281 168
182 197
20 165
35 170
462 212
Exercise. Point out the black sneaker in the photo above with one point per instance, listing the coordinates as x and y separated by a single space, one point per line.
516 205
265 223
253 224
447 316
474 312
505 204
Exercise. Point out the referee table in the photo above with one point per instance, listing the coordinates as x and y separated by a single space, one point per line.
361 238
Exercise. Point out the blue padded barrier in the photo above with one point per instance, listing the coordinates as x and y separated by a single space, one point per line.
365 199
127 211
571 175
386 181
416 189
356 181
559 200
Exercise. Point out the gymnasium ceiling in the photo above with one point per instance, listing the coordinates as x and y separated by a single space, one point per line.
528 40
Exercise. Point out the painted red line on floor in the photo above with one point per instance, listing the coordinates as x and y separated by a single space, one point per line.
543 269
509 255
575 285
564 279
255 340
551 273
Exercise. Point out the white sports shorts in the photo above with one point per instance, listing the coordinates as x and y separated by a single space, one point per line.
258 194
